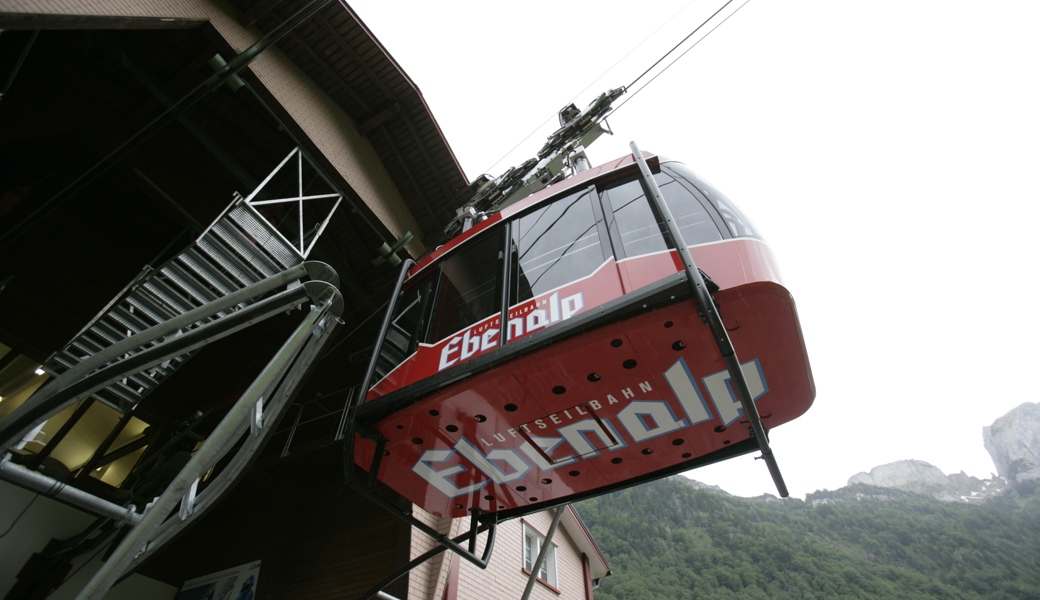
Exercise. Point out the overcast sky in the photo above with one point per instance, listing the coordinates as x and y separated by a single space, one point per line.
886 150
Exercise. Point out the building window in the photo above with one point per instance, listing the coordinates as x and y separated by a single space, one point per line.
532 546
468 290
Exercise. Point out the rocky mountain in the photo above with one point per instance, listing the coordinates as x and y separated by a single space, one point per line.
905 530
1014 443
1012 440
922 478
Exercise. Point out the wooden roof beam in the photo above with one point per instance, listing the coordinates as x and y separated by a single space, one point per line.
349 89
342 43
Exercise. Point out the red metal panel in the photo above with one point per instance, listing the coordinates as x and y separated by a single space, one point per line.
658 410
526 318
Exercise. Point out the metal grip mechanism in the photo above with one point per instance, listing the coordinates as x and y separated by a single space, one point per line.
718 330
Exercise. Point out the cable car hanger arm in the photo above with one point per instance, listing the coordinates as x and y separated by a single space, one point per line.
711 315
478 521
562 150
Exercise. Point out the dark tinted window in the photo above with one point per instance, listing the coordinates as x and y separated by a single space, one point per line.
555 245
408 319
406 325
737 223
638 227
468 290
630 217
695 224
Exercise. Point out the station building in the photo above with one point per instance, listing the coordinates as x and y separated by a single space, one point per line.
130 134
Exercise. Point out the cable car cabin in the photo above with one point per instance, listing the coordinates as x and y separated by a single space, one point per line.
604 373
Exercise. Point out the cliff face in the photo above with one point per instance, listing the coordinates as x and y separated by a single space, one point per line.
1012 440
1014 443
922 478
903 474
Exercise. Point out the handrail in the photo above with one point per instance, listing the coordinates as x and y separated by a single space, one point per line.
507 276
64 390
350 417
366 488
252 416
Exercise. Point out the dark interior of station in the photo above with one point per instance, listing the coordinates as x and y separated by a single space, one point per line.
114 157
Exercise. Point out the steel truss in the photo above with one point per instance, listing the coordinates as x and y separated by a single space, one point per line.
252 417
242 270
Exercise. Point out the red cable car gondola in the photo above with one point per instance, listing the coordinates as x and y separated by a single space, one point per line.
609 370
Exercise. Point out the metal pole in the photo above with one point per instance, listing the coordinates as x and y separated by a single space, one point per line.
50 400
180 322
52 488
537 566
442 539
350 415
507 276
274 401
718 330
372 593
225 434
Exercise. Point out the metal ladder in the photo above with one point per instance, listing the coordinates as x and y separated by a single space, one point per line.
239 249
241 270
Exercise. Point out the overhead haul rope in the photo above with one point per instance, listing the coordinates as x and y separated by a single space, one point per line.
643 74
591 83
681 42
616 63
692 46
424 225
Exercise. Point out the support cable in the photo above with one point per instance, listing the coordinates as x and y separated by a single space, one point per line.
18 65
636 47
586 88
681 42
669 65
19 517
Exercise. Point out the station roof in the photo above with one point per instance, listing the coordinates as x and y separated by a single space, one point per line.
83 213
339 53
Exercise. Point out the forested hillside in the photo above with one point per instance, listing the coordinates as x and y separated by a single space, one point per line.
667 540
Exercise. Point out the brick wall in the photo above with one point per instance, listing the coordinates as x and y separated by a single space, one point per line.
430 576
